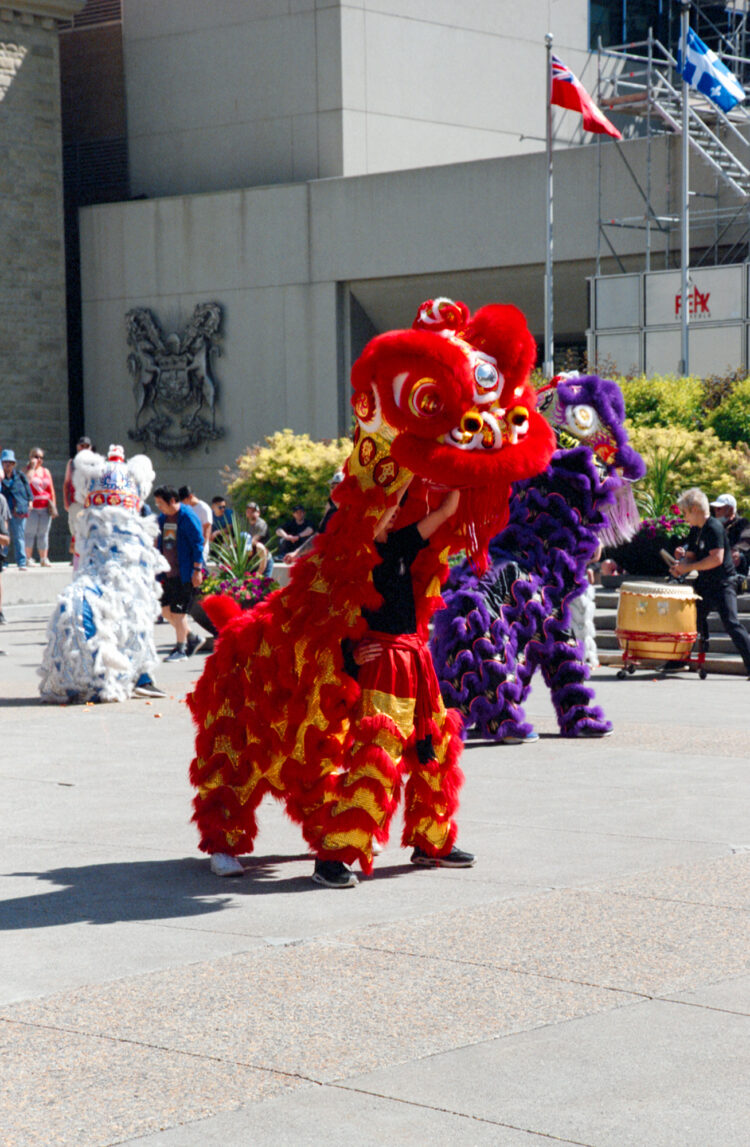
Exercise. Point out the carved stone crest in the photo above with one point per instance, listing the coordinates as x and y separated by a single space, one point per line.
175 392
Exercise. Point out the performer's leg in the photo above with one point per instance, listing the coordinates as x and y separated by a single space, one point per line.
726 604
704 607
360 802
566 673
230 768
498 710
432 788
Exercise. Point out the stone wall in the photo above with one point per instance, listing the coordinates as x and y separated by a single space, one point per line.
33 369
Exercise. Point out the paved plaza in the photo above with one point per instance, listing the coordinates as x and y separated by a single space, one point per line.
587 983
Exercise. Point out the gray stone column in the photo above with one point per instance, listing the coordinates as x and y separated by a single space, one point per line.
33 361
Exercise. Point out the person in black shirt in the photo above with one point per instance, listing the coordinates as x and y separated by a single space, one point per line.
707 551
401 724
738 531
294 532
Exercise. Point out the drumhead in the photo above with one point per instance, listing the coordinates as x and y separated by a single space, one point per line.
657 589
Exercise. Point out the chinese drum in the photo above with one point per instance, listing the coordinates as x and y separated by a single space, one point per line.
656 621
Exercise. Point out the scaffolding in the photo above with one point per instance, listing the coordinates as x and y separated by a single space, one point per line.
640 80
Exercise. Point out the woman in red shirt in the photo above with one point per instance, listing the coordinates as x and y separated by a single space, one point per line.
43 507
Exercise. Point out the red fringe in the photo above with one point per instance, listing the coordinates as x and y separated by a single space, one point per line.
279 667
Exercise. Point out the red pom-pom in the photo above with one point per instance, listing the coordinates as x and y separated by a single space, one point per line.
221 608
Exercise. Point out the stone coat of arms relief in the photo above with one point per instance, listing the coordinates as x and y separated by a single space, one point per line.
175 391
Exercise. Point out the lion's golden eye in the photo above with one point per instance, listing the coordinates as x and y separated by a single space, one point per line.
425 400
518 415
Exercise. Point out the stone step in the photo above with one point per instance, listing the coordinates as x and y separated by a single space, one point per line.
606 621
37 585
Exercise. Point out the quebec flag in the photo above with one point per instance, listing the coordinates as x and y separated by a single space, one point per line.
704 70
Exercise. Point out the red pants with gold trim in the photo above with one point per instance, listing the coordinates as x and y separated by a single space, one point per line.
400 727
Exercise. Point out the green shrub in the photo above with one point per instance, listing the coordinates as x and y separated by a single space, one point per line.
664 400
731 418
288 469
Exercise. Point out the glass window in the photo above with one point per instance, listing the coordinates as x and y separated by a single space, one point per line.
628 21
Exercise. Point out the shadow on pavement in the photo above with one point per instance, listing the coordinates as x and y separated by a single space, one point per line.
142 890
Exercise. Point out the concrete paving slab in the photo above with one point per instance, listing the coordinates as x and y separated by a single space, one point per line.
609 861
655 1073
622 942
721 882
319 1009
305 1117
617 795
62 958
74 1091
729 996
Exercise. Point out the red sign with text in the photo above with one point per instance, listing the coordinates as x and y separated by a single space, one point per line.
697 304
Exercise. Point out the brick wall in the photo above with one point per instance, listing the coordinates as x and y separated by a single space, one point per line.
33 371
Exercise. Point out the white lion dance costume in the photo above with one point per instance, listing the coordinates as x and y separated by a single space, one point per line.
101 635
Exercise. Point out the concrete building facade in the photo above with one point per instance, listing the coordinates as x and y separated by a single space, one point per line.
33 363
317 168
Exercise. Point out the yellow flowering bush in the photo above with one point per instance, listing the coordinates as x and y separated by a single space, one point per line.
287 469
678 458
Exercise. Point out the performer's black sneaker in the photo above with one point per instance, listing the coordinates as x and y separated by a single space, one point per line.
148 689
454 859
334 874
194 643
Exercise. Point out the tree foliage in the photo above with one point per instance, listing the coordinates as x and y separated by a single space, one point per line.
731 418
664 400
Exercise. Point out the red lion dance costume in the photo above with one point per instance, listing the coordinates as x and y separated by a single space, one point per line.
448 406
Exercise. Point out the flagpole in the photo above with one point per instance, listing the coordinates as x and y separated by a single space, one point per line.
685 213
549 346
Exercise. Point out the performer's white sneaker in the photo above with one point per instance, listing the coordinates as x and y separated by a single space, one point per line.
225 865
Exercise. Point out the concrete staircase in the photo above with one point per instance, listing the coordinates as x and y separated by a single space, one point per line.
37 586
721 657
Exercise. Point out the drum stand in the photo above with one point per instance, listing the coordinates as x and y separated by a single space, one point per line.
631 660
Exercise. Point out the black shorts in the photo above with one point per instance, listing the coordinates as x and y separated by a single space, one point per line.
176 594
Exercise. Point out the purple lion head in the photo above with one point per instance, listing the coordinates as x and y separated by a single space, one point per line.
592 410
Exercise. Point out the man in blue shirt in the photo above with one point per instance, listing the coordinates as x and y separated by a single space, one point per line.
223 518
17 493
181 542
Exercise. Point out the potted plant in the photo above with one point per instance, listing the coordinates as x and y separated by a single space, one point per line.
236 573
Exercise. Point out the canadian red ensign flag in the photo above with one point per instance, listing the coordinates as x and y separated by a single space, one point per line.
568 92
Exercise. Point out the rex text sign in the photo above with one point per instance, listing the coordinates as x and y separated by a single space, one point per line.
715 294
698 304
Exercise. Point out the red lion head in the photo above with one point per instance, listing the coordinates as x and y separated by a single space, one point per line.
449 401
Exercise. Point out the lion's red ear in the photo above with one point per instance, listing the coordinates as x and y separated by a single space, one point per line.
500 330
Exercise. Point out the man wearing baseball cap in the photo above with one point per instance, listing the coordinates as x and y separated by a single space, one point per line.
738 530
17 492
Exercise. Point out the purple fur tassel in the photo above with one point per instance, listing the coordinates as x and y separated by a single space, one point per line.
498 629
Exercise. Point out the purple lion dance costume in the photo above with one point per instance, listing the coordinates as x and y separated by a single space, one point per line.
497 629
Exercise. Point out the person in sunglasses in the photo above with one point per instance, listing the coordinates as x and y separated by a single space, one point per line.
42 510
